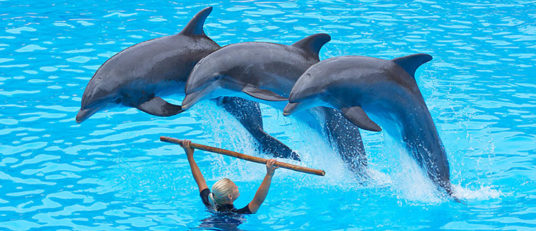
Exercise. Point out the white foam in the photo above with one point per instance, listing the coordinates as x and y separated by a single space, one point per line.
226 132
412 183
378 179
397 169
409 181
482 193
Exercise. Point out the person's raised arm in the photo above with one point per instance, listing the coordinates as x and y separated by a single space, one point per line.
199 179
263 189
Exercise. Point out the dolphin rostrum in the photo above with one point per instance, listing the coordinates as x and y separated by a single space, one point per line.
386 89
261 72
138 75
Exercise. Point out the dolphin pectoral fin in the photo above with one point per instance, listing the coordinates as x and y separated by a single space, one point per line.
357 116
159 107
262 94
410 63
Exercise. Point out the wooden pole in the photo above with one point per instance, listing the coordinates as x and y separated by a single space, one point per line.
245 157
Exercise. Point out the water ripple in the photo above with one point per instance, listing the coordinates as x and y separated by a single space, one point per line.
30 48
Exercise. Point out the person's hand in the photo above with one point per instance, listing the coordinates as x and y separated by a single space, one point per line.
186 145
270 167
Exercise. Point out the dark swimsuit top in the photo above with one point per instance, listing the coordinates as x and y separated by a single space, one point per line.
223 208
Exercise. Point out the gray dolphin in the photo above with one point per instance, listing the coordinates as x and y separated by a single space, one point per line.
262 72
385 89
136 76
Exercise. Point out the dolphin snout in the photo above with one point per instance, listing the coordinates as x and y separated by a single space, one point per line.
85 113
82 115
190 99
187 102
291 107
194 95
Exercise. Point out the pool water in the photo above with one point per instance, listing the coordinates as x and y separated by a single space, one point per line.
112 173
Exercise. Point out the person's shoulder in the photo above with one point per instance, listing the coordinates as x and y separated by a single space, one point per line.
244 210
205 191
204 196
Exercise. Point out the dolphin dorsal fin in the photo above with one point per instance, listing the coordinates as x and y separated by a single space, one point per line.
410 63
357 116
195 26
313 43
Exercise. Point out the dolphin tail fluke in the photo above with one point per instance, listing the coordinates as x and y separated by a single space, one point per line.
159 107
248 113
273 146
313 43
410 63
195 26
357 116
456 199
450 192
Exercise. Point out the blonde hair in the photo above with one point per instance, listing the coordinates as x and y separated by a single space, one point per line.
220 191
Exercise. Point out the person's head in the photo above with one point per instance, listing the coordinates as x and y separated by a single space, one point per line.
224 191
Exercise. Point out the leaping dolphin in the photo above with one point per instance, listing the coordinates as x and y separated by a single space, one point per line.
386 89
139 75
262 72
136 76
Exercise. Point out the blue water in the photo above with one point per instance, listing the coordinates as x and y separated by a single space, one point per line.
112 173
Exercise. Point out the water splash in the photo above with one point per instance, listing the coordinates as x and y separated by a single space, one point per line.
224 131
408 180
480 194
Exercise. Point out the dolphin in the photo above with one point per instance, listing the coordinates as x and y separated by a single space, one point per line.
386 89
139 75
265 72
136 76
261 70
